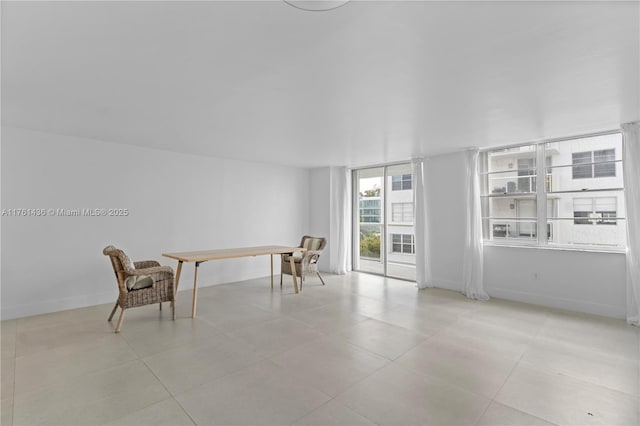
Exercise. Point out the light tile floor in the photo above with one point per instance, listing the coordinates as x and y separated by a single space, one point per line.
361 350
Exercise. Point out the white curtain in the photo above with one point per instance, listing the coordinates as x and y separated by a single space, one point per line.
631 174
339 220
421 223
472 269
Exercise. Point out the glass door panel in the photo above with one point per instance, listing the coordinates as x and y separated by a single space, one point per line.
369 216
401 247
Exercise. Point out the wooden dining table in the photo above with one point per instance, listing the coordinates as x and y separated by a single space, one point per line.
202 256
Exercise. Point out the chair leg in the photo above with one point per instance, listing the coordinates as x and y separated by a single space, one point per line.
119 325
281 279
320 276
173 309
160 306
113 312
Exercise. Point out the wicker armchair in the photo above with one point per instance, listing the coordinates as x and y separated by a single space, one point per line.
307 263
140 283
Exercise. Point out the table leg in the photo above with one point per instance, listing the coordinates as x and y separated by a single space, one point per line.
175 285
272 272
178 271
195 291
293 273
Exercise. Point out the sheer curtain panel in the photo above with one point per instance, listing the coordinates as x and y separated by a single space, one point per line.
631 174
472 271
339 221
421 223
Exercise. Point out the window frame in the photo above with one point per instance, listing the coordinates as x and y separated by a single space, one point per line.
541 194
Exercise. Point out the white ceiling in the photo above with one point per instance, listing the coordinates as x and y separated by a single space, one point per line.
367 83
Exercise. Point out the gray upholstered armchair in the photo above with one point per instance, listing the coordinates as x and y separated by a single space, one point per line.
140 283
306 262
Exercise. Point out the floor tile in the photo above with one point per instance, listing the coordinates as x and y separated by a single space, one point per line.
62 319
564 400
46 367
232 316
164 413
185 367
95 398
593 333
8 338
476 371
330 364
330 318
485 337
261 394
36 339
276 336
518 317
395 396
381 338
7 377
6 411
151 337
604 369
289 303
501 415
366 306
333 413
427 321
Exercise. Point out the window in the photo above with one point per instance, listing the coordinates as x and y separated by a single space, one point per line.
401 182
574 207
594 164
594 211
403 243
402 212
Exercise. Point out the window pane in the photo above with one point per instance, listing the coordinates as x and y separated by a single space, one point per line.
586 219
510 171
569 163
580 214
510 218
605 169
503 160
516 230
511 182
567 233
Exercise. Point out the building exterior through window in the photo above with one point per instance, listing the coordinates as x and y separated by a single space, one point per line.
581 203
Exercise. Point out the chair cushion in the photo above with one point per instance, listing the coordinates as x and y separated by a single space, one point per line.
137 282
127 261
297 257
312 243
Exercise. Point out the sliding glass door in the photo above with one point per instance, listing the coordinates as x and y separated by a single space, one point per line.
384 241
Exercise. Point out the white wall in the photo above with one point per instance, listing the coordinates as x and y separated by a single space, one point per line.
176 202
319 212
575 280
579 281
445 176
